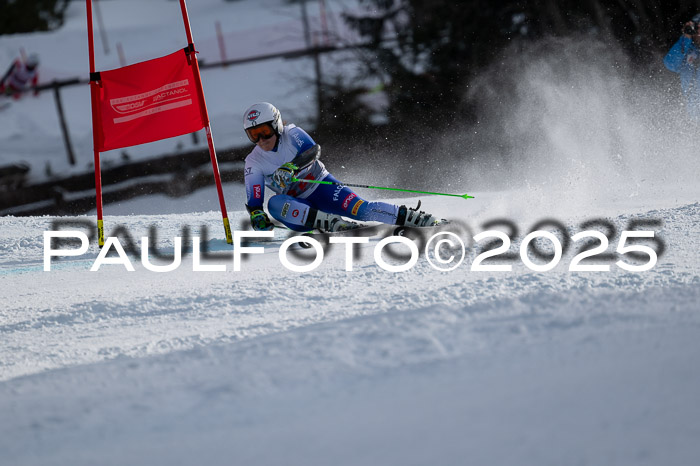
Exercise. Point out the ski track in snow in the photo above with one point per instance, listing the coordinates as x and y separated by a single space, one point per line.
92 360
88 317
268 366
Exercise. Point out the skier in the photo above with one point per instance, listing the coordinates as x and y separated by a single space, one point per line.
283 152
684 59
20 76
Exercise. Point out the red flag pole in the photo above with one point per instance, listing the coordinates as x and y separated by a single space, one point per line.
205 118
94 98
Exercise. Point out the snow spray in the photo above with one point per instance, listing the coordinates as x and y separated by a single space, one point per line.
572 122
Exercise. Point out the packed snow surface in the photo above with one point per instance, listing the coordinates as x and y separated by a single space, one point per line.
269 366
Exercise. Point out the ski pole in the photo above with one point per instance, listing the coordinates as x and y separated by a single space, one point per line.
463 196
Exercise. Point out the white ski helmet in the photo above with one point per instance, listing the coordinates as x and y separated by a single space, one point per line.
32 60
260 114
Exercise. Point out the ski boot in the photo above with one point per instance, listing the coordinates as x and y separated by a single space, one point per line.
410 217
331 223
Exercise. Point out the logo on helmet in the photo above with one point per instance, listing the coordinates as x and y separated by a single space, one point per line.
253 115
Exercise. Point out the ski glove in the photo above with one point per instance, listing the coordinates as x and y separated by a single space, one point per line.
283 175
260 221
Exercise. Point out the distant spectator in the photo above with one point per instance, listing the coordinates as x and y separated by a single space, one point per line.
21 76
684 59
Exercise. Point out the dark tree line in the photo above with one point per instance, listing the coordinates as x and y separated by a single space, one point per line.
423 50
31 15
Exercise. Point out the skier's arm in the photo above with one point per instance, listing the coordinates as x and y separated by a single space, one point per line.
301 140
254 186
8 72
307 157
255 194
307 152
674 58
284 175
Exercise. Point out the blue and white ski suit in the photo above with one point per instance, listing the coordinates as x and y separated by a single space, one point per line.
293 205
684 59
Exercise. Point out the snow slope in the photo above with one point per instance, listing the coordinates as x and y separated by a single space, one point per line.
266 365
270 366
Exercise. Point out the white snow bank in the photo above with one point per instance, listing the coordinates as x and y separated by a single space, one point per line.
266 366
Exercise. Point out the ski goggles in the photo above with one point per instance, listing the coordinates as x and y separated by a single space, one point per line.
264 131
